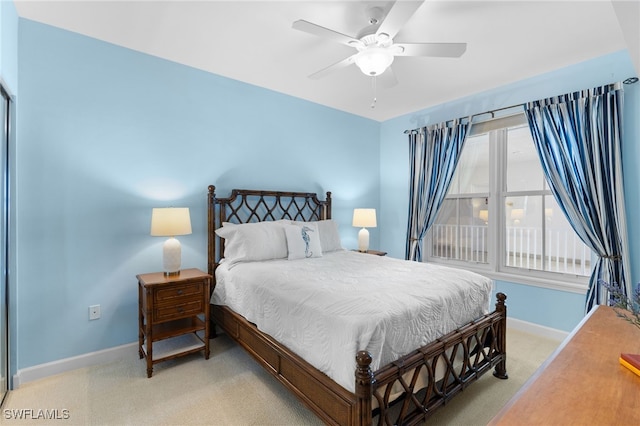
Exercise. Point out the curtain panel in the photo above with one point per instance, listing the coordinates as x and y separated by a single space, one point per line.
434 152
578 137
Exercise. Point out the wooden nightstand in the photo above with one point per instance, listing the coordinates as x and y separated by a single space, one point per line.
173 315
374 252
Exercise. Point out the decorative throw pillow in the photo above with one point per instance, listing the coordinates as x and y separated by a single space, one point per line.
253 241
303 240
329 235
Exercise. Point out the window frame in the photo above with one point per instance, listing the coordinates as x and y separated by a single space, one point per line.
495 267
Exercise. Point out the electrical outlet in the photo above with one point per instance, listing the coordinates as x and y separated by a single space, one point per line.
94 312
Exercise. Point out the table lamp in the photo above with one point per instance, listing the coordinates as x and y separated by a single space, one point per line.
484 216
170 222
364 218
517 215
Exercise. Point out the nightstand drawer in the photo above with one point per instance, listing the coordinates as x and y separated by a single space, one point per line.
189 306
176 292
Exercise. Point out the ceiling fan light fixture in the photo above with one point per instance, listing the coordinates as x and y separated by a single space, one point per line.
374 61
383 38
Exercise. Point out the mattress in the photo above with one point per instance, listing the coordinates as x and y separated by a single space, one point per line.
325 309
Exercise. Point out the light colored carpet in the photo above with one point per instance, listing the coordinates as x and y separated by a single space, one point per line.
231 389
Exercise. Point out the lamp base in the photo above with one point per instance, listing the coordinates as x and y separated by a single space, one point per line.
171 257
363 240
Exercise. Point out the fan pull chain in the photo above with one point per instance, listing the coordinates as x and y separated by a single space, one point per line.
375 99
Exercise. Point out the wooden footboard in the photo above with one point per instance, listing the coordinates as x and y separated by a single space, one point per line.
464 354
480 345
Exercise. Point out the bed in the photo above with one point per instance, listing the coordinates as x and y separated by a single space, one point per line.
390 382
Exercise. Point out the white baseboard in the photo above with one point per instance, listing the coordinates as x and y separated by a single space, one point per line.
538 330
41 371
111 354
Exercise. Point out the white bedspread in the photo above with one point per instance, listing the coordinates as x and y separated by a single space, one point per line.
326 309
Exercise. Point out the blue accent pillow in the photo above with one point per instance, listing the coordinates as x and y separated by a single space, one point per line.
303 241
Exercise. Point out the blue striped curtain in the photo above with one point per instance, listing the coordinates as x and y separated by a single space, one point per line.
578 138
434 153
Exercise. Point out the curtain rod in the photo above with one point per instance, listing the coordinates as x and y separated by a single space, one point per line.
614 85
492 112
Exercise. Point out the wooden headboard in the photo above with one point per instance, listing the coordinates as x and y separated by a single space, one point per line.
248 205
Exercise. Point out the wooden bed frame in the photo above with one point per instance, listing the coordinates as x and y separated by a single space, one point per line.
481 343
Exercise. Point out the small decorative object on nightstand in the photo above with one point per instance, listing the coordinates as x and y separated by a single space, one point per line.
173 315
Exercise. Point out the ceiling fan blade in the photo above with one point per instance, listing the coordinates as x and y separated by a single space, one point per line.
387 79
331 68
319 31
399 14
446 50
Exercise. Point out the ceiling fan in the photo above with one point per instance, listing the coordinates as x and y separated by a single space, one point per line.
375 46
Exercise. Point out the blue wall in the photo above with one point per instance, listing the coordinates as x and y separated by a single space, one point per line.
106 134
552 308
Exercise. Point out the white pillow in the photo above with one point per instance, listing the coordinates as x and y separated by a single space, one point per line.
253 241
303 241
329 235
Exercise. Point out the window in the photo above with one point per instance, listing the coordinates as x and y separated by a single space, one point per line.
499 215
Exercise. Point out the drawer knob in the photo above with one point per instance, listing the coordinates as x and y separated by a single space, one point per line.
180 292
180 310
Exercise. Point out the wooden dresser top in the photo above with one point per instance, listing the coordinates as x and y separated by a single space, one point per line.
582 383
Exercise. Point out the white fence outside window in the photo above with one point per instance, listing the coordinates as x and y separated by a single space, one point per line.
565 252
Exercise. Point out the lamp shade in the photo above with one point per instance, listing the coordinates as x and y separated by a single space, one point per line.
374 60
364 218
170 221
517 214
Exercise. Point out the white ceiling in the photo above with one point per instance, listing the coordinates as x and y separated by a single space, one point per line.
253 41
